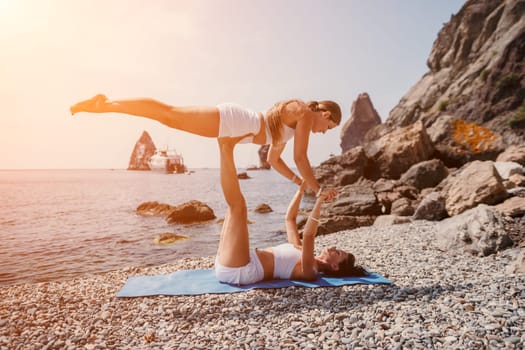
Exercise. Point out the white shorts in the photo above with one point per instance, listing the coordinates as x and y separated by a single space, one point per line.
236 120
247 274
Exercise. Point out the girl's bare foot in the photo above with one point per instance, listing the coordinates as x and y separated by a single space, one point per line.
93 105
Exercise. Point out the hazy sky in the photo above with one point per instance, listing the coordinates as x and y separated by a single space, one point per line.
252 52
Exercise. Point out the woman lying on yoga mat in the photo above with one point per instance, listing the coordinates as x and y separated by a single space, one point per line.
283 121
237 263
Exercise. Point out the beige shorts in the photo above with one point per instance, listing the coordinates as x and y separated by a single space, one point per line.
247 274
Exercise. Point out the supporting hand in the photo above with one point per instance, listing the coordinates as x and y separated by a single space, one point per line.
327 194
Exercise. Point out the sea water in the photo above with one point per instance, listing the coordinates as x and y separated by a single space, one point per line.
58 224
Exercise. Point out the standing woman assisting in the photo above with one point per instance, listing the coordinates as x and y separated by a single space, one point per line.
237 263
292 118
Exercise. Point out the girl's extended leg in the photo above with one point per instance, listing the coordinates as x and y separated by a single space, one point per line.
202 121
234 244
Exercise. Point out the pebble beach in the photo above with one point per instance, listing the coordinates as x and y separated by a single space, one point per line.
438 300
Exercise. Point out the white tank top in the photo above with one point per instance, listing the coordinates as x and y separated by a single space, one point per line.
288 133
285 257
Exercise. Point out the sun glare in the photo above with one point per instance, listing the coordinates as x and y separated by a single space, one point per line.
6 10
4 5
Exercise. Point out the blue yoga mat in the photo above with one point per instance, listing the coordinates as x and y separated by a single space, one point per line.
195 282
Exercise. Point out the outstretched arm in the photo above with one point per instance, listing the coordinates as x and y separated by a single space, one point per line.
300 149
275 160
309 233
292 232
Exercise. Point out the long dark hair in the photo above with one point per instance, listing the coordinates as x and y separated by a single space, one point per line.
347 268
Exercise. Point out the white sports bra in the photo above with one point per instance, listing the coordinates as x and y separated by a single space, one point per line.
285 257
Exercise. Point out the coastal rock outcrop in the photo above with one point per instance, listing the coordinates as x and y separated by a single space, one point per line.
464 231
192 211
432 208
263 208
263 157
476 183
425 174
363 118
513 154
347 168
243 176
169 238
142 152
398 150
433 158
458 142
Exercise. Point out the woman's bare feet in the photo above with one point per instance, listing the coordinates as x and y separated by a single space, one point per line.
93 105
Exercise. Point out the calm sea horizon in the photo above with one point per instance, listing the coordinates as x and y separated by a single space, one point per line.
59 224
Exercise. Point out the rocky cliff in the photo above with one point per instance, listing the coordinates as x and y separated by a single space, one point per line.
142 152
454 145
477 73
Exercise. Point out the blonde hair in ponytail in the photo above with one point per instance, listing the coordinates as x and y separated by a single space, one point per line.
275 123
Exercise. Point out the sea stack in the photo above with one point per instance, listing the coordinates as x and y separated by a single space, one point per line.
142 152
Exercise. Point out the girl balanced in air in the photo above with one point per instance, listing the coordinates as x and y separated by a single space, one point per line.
285 120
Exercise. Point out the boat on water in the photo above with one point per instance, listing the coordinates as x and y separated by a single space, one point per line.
167 161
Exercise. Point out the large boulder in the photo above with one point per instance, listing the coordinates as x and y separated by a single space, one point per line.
507 169
398 150
513 154
154 209
458 142
346 169
363 118
431 208
517 264
476 183
480 230
425 174
354 200
389 192
263 208
512 207
355 206
192 211
142 152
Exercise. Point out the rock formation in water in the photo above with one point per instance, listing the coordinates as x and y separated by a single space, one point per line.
263 157
188 212
363 118
142 152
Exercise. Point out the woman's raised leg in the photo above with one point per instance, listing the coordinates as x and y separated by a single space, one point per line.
234 244
203 121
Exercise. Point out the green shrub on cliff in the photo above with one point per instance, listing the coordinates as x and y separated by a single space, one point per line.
442 105
518 118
